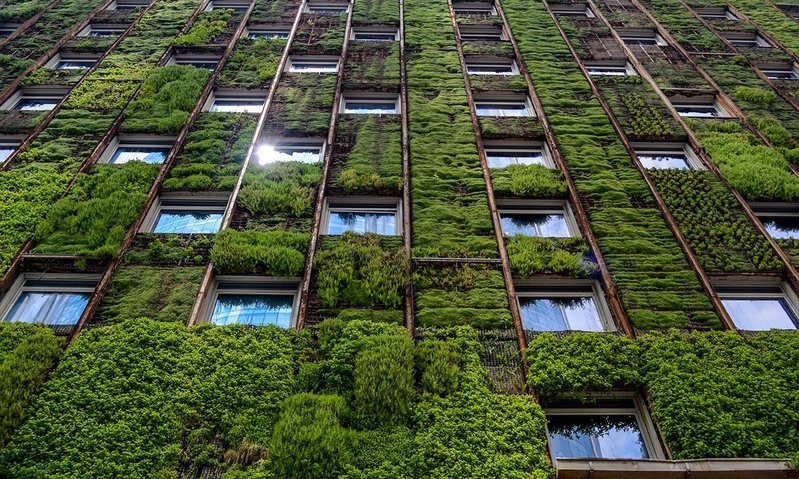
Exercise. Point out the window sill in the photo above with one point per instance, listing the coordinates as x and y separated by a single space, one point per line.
664 469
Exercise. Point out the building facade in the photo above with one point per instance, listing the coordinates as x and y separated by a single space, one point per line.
399 239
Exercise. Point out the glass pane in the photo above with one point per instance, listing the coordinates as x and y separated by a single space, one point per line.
104 33
74 64
378 223
577 313
640 41
696 111
303 155
269 35
253 309
186 221
237 106
781 227
48 308
210 65
5 152
376 37
760 314
36 105
124 154
607 71
497 109
314 67
597 436
490 69
331 9
780 74
531 224
664 161
371 108
502 159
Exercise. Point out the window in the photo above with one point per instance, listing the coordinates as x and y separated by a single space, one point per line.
615 69
642 37
125 5
569 305
205 62
252 301
572 10
35 99
503 105
491 66
268 33
186 214
369 104
327 8
301 150
540 219
711 13
300 64
481 33
780 72
7 147
606 429
103 30
501 155
375 34
699 107
232 101
760 307
51 299
153 150
747 39
667 156
362 215
237 6
71 62
790 10
7 29
474 8
781 220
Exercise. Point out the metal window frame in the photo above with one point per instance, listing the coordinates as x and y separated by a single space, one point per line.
267 30
616 65
666 148
492 61
19 286
53 62
482 33
369 97
44 92
521 147
362 204
341 7
224 94
116 28
201 201
254 286
753 287
291 143
561 207
313 59
487 8
374 30
135 141
568 288
504 99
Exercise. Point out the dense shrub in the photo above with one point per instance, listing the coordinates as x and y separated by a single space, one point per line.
253 63
280 189
533 255
274 253
208 26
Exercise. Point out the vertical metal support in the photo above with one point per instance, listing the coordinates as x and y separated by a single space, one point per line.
25 25
305 285
407 233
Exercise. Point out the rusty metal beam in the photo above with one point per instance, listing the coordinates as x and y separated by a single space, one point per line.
407 233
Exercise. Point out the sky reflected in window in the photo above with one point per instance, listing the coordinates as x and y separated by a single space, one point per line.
597 436
362 222
188 222
547 225
560 314
760 314
253 309
48 308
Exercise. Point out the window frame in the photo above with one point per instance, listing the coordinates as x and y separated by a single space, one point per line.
215 202
362 204
234 95
7 29
266 30
716 13
520 147
55 94
764 287
290 143
504 99
646 425
18 287
189 58
59 57
136 141
10 141
702 101
238 6
540 207
646 34
486 62
482 33
545 288
774 209
475 8
251 285
369 97
691 158
618 65
769 69
313 59
577 10
313 6
747 39
117 29
374 30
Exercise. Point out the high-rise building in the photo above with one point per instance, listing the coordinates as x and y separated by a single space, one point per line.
405 239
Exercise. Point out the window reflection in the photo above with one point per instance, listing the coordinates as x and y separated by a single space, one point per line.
48 308
502 109
36 104
577 313
373 108
237 106
124 154
760 314
253 310
782 227
664 161
612 436
545 225
502 159
187 222
5 152
362 222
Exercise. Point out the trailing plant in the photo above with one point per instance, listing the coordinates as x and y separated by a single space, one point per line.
94 218
161 294
564 256
374 162
169 249
99 95
284 189
253 63
167 96
213 152
272 253
715 394
528 181
208 26
27 353
359 270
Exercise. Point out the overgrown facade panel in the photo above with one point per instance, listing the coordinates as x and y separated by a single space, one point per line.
398 239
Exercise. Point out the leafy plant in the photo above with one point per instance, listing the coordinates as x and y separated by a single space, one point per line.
208 26
275 253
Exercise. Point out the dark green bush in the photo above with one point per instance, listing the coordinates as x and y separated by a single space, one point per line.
273 253
567 256
383 382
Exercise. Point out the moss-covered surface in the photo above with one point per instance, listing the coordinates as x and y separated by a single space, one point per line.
367 156
372 66
563 256
145 399
713 394
302 105
253 63
376 11
211 157
270 253
528 181
656 284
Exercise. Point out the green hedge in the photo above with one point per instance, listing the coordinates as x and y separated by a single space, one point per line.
374 162
272 253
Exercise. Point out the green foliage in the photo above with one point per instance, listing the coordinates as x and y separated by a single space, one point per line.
27 353
438 364
100 95
374 164
375 11
755 95
94 218
213 152
528 181
167 96
168 249
713 394
253 63
391 316
273 253
712 221
359 270
645 120
564 256
302 104
280 189
383 382
161 294
373 66
208 26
